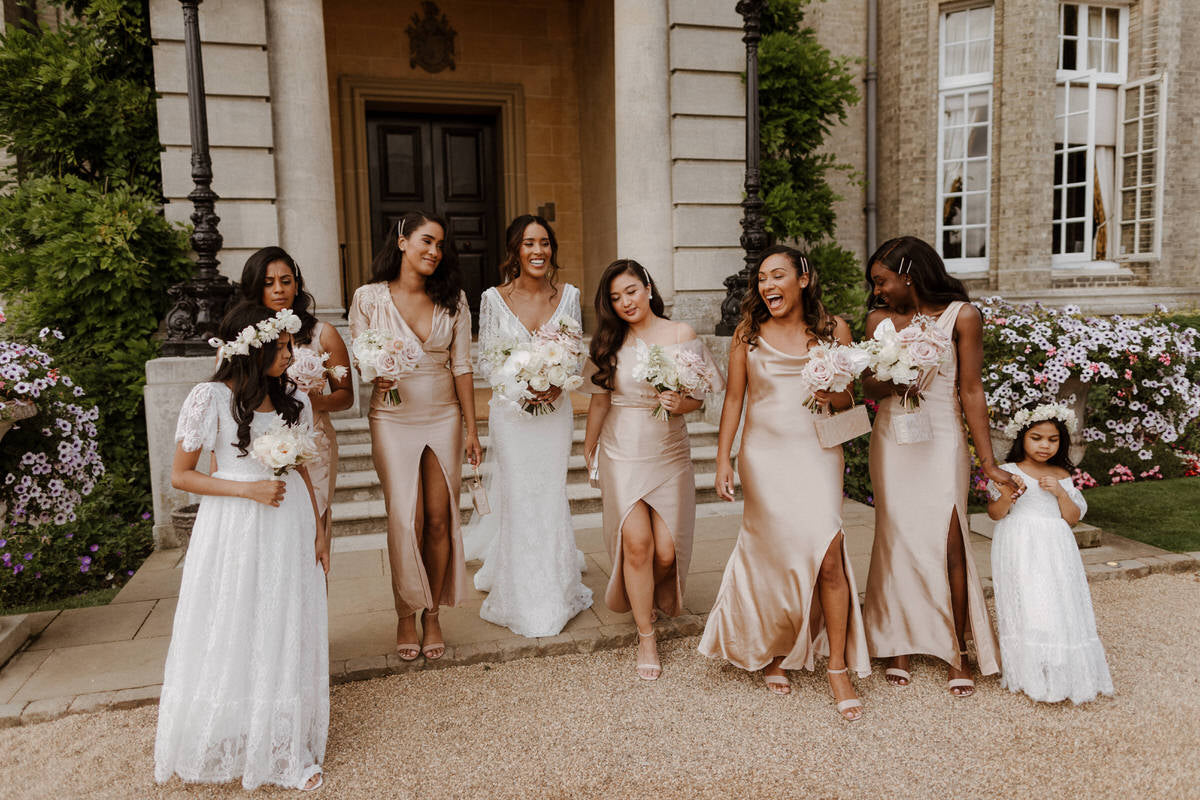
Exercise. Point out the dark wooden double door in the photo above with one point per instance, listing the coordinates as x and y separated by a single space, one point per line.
445 164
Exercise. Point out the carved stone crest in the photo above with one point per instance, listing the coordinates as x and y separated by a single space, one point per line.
431 40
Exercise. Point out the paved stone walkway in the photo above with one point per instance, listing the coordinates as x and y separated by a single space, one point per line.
112 656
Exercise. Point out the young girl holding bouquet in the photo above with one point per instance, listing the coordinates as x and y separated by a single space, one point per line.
1048 641
788 593
923 592
643 459
246 687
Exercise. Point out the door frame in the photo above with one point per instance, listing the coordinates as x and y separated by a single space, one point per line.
355 93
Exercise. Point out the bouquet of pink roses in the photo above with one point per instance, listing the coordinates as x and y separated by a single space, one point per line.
309 371
685 372
381 356
906 357
831 368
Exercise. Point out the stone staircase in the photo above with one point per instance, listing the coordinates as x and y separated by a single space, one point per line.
358 508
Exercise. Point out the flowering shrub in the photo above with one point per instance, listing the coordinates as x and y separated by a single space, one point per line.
1142 372
50 461
1120 474
1083 480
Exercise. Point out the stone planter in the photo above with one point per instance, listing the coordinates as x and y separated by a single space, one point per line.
1073 386
13 411
182 520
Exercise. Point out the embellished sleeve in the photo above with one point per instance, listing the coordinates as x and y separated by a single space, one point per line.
574 313
460 344
488 334
361 310
1075 495
197 426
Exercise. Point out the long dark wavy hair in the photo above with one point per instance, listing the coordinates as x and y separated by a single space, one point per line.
247 375
930 280
1062 458
821 324
445 284
254 279
510 268
611 328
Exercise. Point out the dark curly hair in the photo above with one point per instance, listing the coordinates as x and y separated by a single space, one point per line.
247 375
1062 458
930 280
510 268
445 284
254 279
754 309
611 328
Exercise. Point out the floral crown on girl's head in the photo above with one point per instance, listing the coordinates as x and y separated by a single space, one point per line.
257 335
1043 413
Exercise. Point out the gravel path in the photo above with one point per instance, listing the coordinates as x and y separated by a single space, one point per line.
584 726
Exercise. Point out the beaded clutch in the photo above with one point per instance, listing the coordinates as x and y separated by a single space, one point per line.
911 426
479 495
834 429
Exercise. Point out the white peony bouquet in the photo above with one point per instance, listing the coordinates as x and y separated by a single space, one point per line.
381 356
685 372
907 356
309 371
552 357
284 447
832 368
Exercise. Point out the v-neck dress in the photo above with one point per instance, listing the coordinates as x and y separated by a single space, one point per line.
428 417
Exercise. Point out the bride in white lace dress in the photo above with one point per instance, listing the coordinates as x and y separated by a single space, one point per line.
531 567
246 687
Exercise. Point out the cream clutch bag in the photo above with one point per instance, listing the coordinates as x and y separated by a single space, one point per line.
834 429
479 496
912 426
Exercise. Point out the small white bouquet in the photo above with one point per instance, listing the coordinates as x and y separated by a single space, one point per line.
906 358
309 371
284 447
379 355
553 357
685 372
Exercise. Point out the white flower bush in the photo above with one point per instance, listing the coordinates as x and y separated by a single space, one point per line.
1143 372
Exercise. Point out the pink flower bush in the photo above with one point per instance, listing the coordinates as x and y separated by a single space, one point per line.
1120 474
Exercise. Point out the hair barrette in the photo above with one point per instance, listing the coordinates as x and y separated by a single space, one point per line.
905 267
803 265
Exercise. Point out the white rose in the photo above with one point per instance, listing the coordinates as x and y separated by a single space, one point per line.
573 382
539 383
557 375
819 374
884 330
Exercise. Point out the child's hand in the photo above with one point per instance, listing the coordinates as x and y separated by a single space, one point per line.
1051 485
269 493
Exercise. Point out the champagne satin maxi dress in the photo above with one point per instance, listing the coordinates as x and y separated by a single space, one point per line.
323 471
917 488
428 416
648 459
768 604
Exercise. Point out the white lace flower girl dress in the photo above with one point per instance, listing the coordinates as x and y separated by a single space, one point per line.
246 688
1048 643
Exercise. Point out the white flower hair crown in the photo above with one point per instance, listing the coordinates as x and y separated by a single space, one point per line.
1043 413
256 336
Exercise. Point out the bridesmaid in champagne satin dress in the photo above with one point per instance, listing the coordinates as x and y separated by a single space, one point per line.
645 464
417 445
272 277
923 590
788 593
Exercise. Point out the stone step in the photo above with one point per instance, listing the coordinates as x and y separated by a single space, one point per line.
358 517
356 456
364 484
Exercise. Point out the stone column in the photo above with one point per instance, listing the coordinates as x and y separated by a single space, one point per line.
643 138
304 146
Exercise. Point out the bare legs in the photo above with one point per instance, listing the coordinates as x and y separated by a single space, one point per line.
834 591
647 555
433 540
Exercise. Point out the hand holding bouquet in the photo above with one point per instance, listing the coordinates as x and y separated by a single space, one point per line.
309 371
385 357
284 447
908 356
831 368
685 372
551 359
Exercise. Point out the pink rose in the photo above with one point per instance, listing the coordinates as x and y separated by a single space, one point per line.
909 335
924 354
387 365
937 337
819 374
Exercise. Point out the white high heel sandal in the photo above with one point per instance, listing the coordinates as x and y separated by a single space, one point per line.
846 705
656 667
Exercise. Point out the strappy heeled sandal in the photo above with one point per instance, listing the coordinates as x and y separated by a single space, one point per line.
843 706
408 647
900 674
656 667
429 649
319 775
778 680
961 683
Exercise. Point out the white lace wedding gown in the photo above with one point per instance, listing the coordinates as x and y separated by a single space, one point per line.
1048 643
531 567
246 688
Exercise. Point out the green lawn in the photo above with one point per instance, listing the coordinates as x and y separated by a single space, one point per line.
1165 514
99 597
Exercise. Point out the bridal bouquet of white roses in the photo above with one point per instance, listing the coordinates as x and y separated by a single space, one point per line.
908 356
309 371
552 357
831 368
284 447
381 356
685 372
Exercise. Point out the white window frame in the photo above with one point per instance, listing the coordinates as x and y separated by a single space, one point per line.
1160 151
1103 78
1089 82
964 85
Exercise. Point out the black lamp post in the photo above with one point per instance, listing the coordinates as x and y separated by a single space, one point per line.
754 231
199 303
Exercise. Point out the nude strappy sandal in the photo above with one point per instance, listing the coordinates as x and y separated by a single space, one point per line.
430 648
902 674
408 647
846 705
961 683
656 667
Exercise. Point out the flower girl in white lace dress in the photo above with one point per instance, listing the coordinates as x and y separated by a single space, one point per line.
1048 643
246 688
